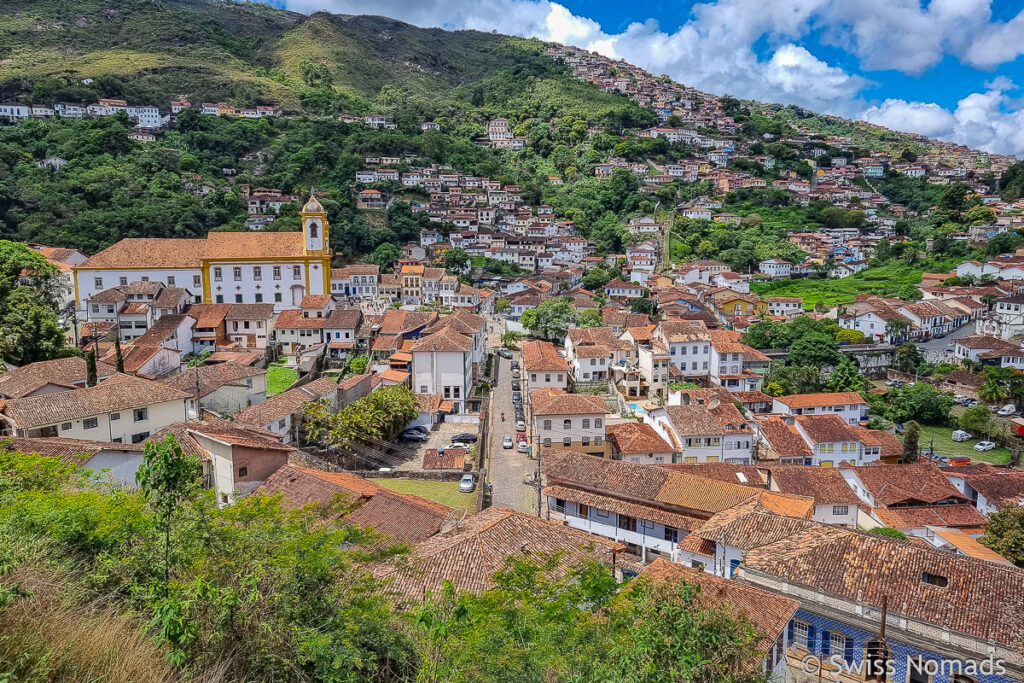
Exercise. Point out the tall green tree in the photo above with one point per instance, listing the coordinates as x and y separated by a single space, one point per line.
847 377
118 354
385 255
816 349
1004 533
90 368
911 436
456 260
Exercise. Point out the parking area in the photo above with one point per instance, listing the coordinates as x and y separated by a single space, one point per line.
438 437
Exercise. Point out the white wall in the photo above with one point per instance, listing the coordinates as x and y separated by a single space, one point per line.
121 429
433 371
183 277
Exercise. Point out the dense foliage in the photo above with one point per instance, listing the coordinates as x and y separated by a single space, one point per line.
256 592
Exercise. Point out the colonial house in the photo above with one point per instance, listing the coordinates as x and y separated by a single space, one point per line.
569 421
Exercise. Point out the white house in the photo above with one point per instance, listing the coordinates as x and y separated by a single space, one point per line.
442 363
849 405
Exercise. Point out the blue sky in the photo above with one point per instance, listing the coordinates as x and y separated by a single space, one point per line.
945 68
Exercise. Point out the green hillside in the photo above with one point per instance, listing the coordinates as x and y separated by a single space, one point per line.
240 53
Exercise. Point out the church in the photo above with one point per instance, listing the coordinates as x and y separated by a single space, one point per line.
224 267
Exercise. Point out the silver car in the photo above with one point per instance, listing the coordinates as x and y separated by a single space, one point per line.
467 484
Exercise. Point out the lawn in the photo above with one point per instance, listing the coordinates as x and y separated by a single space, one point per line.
280 378
944 445
446 492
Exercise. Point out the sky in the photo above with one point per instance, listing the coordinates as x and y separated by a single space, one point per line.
948 69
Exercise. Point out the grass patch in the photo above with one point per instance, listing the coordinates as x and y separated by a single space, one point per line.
279 378
446 492
944 445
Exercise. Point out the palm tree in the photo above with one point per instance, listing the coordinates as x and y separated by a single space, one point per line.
992 390
511 338
897 328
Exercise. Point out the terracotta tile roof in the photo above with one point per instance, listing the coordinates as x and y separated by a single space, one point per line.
250 312
996 484
462 322
633 438
403 517
66 372
446 340
451 459
470 554
541 356
841 398
209 315
398 376
968 545
695 544
315 301
552 401
935 515
345 319
916 484
750 525
825 485
212 377
827 428
684 331
67 450
220 430
286 403
292 319
753 397
254 245
706 420
134 355
982 599
301 486
355 269
154 252
120 392
890 445
767 612
731 473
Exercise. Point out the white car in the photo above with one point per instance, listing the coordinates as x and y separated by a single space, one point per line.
507 442
984 446
960 435
520 425
523 447
1008 409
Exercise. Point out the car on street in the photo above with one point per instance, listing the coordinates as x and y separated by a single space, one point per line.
520 436
515 385
517 397
465 437
515 365
515 373
507 442
960 435
467 484
504 353
520 425
418 428
982 446
413 435
523 447
1007 410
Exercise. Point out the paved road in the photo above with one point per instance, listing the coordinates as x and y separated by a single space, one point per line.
508 468
935 349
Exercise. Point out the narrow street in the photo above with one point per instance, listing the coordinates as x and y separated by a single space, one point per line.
507 468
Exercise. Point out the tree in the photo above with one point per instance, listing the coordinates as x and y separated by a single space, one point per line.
456 260
850 336
981 215
847 377
118 355
502 305
911 435
511 338
989 300
29 329
358 364
167 479
1004 533
815 349
595 279
992 390
642 305
977 419
889 532
589 317
908 357
385 255
551 319
794 379
90 368
921 402
380 416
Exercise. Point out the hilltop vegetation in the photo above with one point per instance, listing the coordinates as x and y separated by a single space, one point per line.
256 592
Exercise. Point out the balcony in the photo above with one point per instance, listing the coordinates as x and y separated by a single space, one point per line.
610 530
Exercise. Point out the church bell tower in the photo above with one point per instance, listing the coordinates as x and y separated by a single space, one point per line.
315 228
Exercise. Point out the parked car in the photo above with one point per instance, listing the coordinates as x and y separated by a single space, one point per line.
515 374
507 442
418 428
515 385
984 446
520 425
465 437
413 435
517 397
467 484
523 447
504 353
1007 410
520 436
960 435
899 427
892 382
515 365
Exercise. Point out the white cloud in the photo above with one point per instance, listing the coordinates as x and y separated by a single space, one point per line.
713 50
980 120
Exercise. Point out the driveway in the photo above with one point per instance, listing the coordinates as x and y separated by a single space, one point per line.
508 468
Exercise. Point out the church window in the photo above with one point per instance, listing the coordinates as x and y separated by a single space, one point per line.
277 272
313 230
296 272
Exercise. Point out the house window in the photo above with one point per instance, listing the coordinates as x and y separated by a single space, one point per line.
237 273
277 297
800 634
141 436
122 281
257 273
547 378
243 471
197 280
115 416
170 280
597 441
218 275
597 422
140 414
281 423
90 423
566 441
296 272
219 298
935 580
258 299
98 282
840 510
547 424
733 565
313 230
238 298
586 423
834 644
65 427
567 424
277 272
547 442
586 440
